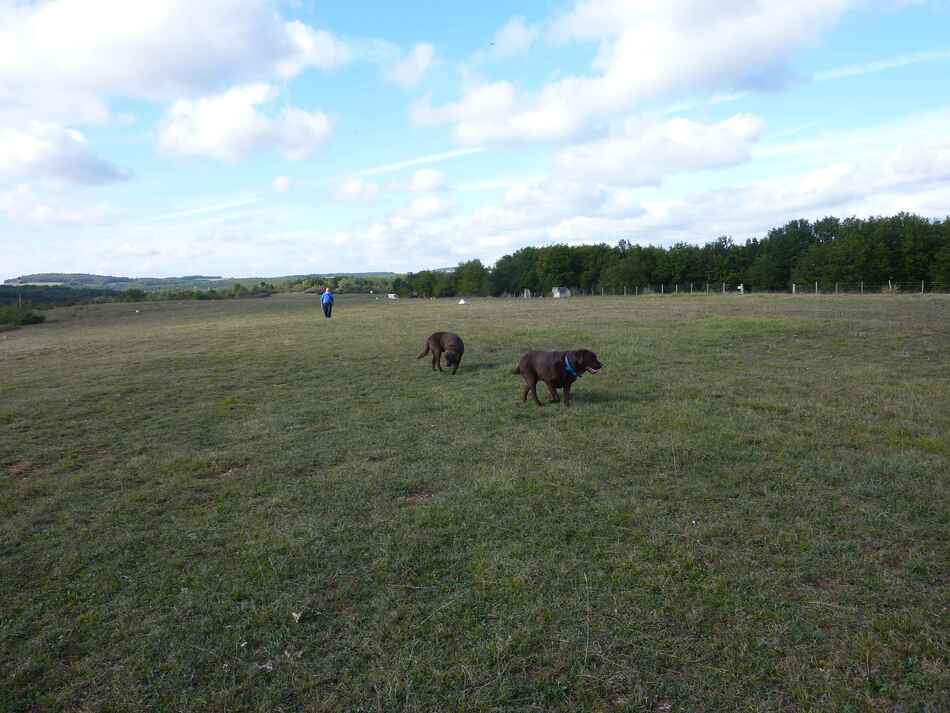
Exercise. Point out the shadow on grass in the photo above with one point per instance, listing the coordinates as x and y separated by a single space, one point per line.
602 396
484 365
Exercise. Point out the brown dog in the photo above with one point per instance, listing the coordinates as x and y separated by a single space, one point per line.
558 370
446 342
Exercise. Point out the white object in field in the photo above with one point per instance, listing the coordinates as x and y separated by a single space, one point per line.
462 301
136 311
392 296
741 289
559 292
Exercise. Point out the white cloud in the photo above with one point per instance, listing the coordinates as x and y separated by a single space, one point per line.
497 184
426 180
68 56
427 207
642 153
875 175
486 101
860 142
47 150
228 126
910 174
356 189
409 71
282 184
513 39
645 51
312 48
23 205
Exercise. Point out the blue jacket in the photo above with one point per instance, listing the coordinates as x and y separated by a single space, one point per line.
327 298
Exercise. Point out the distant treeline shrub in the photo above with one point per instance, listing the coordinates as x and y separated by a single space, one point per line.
51 295
17 315
903 248
343 284
59 296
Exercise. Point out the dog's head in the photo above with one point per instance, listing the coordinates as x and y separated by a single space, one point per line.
585 360
451 358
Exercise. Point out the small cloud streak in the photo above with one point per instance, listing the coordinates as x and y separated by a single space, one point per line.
202 210
854 70
430 158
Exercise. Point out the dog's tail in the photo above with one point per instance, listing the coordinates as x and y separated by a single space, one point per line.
424 351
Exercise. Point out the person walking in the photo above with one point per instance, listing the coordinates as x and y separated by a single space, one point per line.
326 301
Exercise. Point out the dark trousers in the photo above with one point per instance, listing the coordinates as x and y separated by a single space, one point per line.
327 309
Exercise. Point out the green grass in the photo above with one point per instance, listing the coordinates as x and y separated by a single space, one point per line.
14 315
239 506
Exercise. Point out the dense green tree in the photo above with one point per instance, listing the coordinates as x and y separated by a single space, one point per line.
516 272
558 266
472 278
444 285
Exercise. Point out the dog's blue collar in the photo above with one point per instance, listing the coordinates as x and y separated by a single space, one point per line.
570 369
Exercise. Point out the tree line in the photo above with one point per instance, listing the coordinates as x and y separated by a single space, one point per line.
41 296
900 249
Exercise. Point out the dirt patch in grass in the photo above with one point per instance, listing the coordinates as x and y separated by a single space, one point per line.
19 469
418 496
218 475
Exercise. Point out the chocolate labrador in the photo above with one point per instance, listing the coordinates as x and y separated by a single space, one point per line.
558 370
446 342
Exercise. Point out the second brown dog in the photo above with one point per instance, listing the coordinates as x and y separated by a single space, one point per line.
444 343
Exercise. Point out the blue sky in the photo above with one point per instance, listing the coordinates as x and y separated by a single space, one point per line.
257 137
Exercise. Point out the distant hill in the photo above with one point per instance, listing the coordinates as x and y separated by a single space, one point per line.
112 282
108 282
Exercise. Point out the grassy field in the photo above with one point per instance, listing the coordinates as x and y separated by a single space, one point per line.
239 506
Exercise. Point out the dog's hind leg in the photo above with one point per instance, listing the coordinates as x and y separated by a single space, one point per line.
534 393
530 387
436 359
